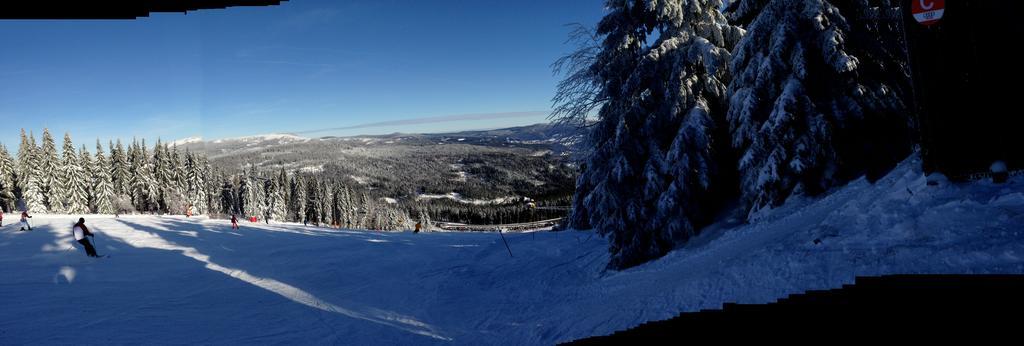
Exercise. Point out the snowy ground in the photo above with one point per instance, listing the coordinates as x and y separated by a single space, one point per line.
455 196
176 280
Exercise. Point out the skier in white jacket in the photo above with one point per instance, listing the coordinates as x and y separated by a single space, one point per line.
24 220
81 232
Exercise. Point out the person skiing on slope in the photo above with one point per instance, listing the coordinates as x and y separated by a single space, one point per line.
81 232
24 220
234 222
418 225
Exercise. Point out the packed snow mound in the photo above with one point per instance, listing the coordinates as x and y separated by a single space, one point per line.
189 140
455 196
279 138
273 137
186 280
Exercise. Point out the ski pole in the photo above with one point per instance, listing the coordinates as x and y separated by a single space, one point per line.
506 243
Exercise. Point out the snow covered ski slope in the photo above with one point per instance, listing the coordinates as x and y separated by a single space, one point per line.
177 280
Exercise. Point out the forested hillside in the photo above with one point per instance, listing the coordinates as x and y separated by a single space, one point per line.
479 177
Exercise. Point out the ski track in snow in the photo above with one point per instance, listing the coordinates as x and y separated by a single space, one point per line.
177 280
151 240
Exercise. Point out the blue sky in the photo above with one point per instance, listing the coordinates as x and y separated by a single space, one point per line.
301 66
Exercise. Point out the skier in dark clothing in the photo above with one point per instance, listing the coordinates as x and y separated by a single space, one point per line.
81 232
234 222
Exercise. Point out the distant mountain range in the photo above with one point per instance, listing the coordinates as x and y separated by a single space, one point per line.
559 137
527 161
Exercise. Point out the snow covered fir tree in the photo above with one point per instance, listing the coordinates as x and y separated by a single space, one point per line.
700 103
818 96
73 181
654 174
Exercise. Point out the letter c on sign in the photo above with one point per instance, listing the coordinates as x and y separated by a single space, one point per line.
924 7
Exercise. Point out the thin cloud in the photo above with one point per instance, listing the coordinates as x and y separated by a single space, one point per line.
317 68
291 63
432 120
307 19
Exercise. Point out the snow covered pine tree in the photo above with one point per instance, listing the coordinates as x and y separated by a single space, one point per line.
103 188
72 182
654 176
7 179
28 179
48 168
817 95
